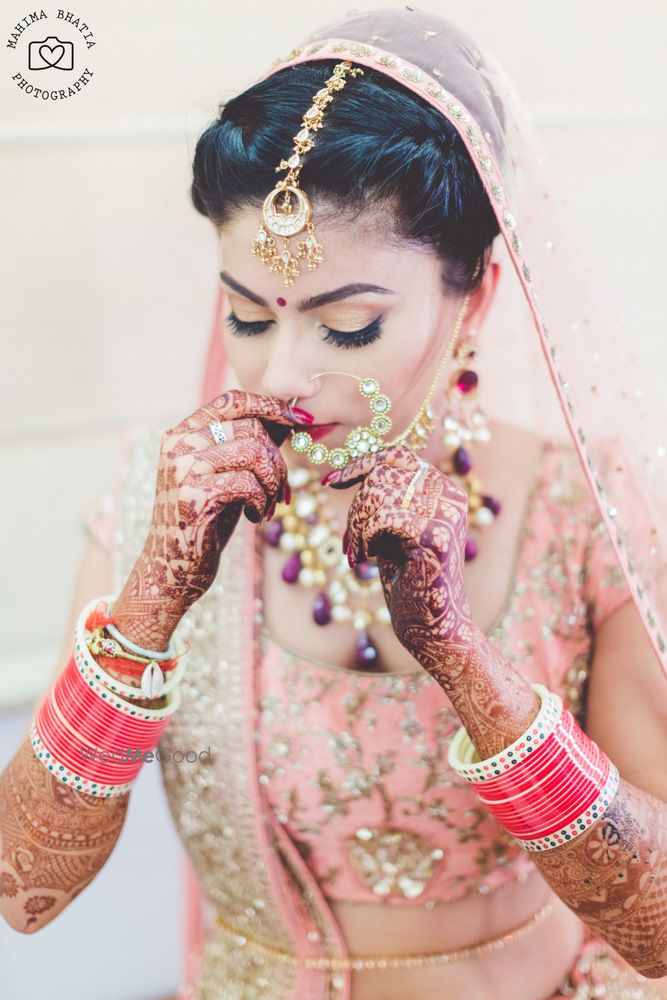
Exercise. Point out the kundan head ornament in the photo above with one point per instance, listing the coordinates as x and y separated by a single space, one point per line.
287 210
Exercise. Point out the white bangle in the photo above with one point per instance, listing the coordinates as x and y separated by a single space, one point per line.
582 823
139 650
103 684
153 684
69 777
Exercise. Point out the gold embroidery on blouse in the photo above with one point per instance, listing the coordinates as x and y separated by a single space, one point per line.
393 861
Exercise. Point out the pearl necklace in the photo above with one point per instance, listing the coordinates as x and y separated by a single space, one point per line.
307 529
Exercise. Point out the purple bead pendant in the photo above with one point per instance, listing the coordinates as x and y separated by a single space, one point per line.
367 654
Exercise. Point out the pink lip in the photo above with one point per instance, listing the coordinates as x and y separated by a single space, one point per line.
318 431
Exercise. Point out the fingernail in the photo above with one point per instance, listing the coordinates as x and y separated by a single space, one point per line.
329 476
271 510
351 559
346 539
303 416
288 492
348 482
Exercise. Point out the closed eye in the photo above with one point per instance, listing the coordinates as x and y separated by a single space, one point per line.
344 339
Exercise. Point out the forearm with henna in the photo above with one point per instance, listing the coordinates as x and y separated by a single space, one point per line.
159 591
494 703
53 840
166 580
614 876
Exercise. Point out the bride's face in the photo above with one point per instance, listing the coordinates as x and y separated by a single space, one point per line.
371 308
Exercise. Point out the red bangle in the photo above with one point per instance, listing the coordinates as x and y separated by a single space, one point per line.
548 786
77 707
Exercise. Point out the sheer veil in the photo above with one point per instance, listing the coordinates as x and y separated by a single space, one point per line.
551 354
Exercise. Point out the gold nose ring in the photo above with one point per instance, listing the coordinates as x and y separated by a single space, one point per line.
359 441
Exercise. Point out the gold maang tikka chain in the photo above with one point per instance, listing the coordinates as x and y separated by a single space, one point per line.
287 210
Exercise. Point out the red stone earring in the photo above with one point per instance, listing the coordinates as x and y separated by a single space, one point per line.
464 422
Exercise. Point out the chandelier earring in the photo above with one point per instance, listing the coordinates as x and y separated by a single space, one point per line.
464 422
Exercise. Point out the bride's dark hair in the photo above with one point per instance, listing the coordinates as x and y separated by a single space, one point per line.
381 147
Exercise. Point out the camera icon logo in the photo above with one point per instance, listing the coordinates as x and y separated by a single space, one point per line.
52 53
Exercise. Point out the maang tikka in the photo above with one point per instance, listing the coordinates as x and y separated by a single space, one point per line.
287 209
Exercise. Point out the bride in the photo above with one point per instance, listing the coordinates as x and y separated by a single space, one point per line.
427 572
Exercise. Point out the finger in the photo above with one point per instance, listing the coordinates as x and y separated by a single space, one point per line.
220 431
201 439
380 494
251 448
399 455
236 403
236 486
217 429
270 467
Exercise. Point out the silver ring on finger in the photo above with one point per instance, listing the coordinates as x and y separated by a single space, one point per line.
217 431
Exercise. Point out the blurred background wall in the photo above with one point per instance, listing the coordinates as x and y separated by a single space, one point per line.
107 285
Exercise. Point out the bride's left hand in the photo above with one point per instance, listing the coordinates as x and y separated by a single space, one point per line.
420 550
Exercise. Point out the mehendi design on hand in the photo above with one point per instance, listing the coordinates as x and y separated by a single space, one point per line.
421 555
420 550
201 490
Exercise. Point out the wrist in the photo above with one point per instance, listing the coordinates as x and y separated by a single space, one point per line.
494 703
143 614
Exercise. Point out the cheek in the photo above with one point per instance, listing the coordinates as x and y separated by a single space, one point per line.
401 361
245 357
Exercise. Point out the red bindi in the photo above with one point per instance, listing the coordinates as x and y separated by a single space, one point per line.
281 301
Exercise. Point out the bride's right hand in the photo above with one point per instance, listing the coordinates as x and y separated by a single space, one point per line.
201 489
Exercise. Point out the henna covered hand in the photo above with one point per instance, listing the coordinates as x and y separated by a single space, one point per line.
201 489
420 550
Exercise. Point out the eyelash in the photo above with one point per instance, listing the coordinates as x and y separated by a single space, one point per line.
355 338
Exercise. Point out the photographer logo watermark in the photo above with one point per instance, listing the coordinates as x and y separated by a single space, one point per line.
53 53
128 754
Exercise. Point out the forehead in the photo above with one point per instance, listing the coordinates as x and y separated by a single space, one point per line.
358 248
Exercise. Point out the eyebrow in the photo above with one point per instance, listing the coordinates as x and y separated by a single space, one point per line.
344 292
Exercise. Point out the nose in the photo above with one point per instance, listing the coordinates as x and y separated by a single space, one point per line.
286 373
